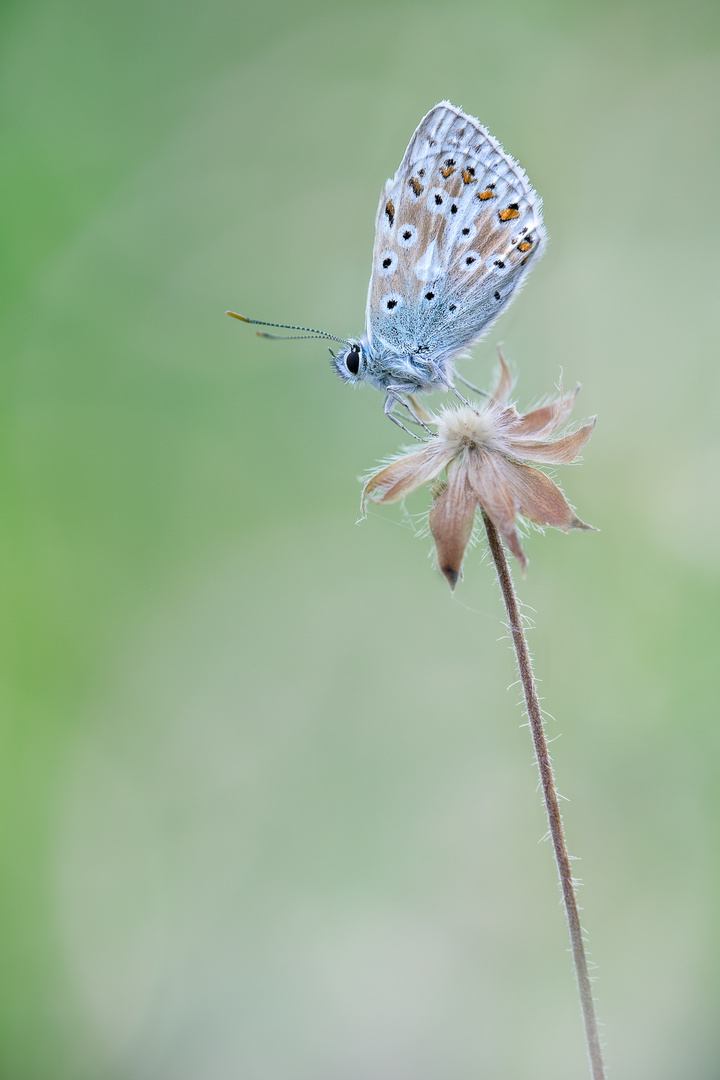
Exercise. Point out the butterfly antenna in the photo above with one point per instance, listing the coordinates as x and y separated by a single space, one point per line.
308 331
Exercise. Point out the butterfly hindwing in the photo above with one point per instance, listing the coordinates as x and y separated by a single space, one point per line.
457 229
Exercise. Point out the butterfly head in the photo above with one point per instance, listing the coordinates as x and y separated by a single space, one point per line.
350 362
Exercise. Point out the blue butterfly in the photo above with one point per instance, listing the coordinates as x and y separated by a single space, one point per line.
457 229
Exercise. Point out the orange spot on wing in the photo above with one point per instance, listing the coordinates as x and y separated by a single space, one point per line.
390 210
416 185
468 177
487 194
447 170
525 245
509 214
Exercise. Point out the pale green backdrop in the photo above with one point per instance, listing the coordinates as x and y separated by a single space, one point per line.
268 810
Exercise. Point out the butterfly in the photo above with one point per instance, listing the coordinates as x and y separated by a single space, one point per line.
457 229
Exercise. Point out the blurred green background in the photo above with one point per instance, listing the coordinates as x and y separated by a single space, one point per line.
268 807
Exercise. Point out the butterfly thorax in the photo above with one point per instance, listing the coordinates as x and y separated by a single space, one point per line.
407 373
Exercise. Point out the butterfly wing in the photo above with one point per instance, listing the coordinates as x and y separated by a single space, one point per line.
457 229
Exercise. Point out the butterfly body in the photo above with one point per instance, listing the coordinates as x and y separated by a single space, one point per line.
411 372
457 229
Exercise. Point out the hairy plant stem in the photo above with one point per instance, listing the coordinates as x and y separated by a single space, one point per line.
552 806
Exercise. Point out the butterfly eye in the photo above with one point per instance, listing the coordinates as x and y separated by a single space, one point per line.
349 363
352 360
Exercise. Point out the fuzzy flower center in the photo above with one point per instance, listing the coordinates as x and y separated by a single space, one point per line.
465 429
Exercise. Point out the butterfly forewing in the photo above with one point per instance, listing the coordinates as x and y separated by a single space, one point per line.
457 228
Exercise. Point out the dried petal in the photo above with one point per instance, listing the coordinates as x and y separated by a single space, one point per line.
547 418
490 477
451 522
558 452
404 475
504 385
540 500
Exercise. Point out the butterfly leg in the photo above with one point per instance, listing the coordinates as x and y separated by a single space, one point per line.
415 410
419 410
442 378
475 389
389 403
393 396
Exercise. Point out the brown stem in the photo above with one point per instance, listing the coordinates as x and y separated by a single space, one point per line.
550 796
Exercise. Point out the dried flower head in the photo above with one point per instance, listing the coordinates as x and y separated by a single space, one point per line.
485 453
